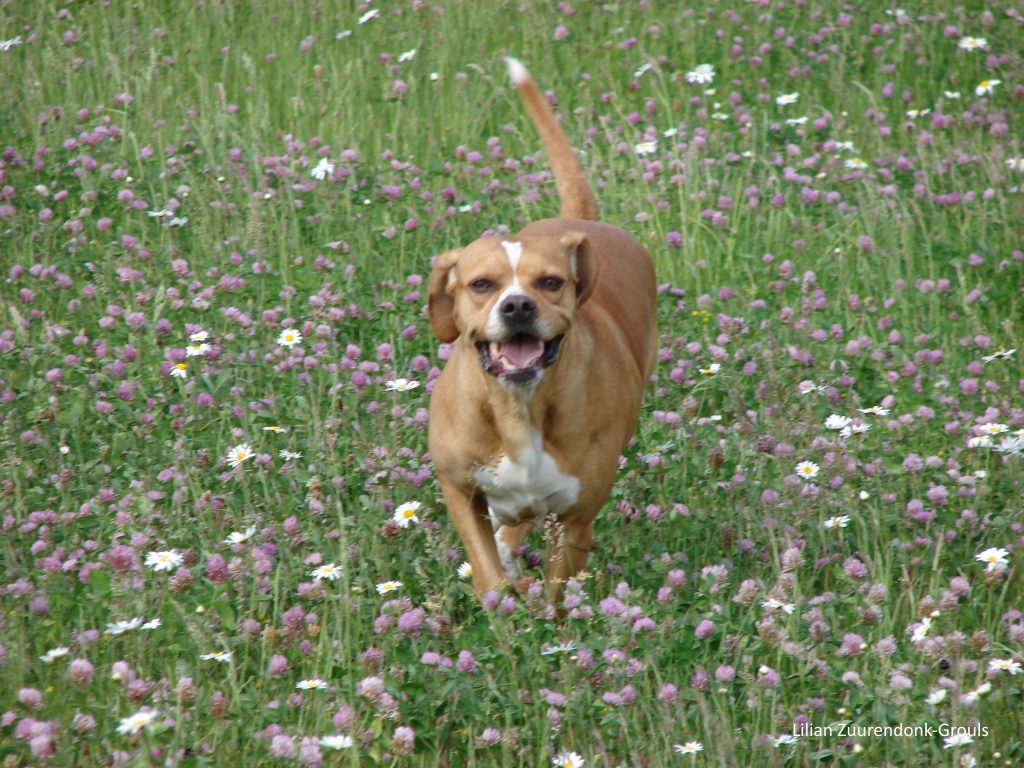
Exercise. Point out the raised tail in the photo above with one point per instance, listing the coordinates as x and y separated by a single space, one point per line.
576 198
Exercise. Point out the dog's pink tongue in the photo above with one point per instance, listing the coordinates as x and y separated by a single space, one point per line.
521 351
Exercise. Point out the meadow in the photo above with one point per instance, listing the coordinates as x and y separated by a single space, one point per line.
222 543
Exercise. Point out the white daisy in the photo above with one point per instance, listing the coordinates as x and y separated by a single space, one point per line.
120 627
322 169
179 371
53 654
937 696
986 87
151 624
786 740
239 453
568 760
465 571
240 537
135 723
993 557
388 586
711 370
198 336
164 561
689 748
957 740
289 337
313 684
836 421
646 148
276 429
222 656
969 43
807 470
1000 665
921 632
702 74
992 428
1001 354
875 410
407 55
839 521
330 572
289 455
338 741
6 45
567 647
405 515
370 14
787 98
400 385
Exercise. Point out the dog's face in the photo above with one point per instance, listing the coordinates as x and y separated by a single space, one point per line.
512 299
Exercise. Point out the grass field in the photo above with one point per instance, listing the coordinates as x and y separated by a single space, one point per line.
216 220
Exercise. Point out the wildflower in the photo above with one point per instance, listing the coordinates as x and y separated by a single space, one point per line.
702 74
137 722
646 148
689 748
835 421
913 114
239 453
1011 446
388 586
568 647
1000 665
322 170
197 350
179 371
875 410
6 45
986 87
1001 354
796 121
937 696
158 214
151 624
711 370
855 164
370 14
338 741
1014 164
921 632
787 98
405 515
120 627
198 336
994 557
222 656
844 146
407 56
981 441
164 561
839 521
312 684
785 740
957 740
951 94
992 428
275 428
289 337
643 69
237 537
465 571
331 572
807 470
969 43
289 455
772 604
568 760
53 654
401 385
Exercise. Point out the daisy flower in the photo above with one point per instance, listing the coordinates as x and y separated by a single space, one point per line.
370 14
136 722
405 515
152 624
53 654
835 421
407 55
689 748
787 98
289 455
951 94
979 441
643 69
312 684
322 170
992 428
646 148
164 561
222 656
985 87
839 521
807 470
330 572
773 604
289 337
796 121
179 371
994 556
711 370
1001 354
875 410
465 571
855 164
568 647
844 146
568 760
969 43
6 45
785 740
1014 164
196 350
388 586
239 453
702 74
198 336
957 740
338 741
400 385
120 627
913 114
994 665
937 696
240 537
1012 446
276 429
921 632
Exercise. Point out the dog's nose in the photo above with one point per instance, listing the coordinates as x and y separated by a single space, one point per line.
518 310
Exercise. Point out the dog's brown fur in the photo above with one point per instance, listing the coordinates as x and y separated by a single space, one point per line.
513 427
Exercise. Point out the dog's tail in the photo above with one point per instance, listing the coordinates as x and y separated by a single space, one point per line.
577 200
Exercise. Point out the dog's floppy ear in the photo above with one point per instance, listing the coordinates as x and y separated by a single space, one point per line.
441 305
582 262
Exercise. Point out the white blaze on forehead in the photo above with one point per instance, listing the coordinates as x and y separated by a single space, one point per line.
514 251
495 323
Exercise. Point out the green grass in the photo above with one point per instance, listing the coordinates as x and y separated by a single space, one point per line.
888 291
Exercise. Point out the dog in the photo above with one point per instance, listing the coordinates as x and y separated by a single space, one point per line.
554 335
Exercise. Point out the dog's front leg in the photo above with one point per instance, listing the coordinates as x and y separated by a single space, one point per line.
469 513
567 551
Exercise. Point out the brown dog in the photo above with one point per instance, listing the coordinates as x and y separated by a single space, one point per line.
554 333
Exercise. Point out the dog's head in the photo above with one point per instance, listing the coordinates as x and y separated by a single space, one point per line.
512 299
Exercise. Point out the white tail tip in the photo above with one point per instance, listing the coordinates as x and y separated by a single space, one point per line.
516 71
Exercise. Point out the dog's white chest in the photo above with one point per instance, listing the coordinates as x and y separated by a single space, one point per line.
530 486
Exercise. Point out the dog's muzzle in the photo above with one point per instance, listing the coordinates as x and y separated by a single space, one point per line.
520 358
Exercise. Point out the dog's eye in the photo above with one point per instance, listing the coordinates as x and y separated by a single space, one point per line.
482 285
551 283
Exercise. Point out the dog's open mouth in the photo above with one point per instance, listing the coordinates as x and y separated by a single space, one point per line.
518 359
